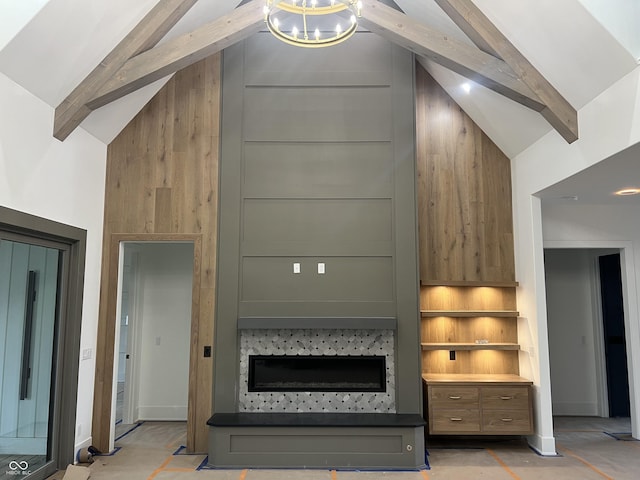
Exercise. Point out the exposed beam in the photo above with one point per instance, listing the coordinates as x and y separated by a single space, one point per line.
558 112
457 56
155 25
473 35
181 52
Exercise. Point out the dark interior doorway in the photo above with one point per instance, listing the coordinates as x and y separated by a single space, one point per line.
614 335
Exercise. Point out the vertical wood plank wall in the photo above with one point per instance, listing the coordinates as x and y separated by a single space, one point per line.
464 194
162 180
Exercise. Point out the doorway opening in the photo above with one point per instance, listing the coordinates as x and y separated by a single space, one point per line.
41 286
153 333
586 324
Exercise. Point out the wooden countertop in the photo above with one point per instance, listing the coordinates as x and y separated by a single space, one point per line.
474 379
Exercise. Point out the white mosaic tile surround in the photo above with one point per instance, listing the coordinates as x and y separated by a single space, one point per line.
317 342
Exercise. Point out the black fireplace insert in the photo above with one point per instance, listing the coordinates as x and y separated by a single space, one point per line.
317 373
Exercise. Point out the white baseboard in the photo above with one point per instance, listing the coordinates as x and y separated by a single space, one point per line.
545 446
79 446
163 413
577 409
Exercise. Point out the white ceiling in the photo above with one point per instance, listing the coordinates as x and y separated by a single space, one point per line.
581 46
597 184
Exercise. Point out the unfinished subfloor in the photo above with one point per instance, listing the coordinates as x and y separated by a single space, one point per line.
587 447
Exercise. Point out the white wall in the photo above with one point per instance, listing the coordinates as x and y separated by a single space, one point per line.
608 124
15 15
64 182
163 325
620 17
572 343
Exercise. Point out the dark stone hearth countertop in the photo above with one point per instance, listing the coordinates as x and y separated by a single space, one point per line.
315 420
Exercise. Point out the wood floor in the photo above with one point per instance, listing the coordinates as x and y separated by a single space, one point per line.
587 447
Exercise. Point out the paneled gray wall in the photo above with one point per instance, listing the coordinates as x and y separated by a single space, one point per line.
317 166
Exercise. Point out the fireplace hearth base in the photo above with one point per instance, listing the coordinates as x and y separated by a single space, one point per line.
317 440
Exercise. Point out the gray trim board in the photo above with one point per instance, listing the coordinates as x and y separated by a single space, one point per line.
408 379
311 419
356 323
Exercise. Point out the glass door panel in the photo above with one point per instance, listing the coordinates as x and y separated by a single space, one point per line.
29 280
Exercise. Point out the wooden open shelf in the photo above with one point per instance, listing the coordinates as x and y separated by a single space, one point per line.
470 346
457 314
469 313
465 283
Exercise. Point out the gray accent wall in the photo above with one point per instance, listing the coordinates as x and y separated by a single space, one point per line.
317 165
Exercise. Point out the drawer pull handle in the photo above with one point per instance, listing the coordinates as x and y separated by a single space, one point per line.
455 419
506 397
455 397
507 419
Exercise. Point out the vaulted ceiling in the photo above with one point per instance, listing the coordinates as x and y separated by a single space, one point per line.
580 47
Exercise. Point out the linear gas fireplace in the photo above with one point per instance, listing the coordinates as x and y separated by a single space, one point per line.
317 373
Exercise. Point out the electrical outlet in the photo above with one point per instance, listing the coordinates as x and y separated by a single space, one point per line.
296 268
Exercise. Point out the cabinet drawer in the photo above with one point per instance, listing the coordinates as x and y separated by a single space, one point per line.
504 398
453 397
506 421
455 421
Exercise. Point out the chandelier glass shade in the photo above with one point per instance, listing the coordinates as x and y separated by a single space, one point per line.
312 23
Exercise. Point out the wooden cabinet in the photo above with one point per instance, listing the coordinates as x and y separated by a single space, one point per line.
454 409
479 405
470 361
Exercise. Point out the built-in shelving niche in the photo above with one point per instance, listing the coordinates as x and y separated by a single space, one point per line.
469 328
470 364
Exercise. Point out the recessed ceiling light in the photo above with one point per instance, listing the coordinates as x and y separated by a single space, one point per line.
628 191
466 87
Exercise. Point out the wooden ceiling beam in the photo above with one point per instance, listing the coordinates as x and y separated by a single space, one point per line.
467 60
558 111
155 25
134 64
181 52
473 35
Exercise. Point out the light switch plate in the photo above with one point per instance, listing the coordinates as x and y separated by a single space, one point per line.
321 268
296 268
